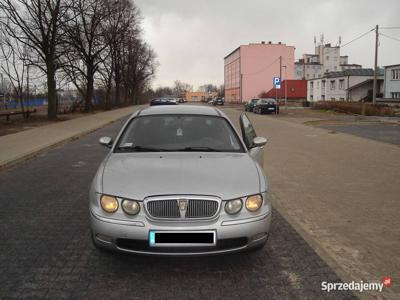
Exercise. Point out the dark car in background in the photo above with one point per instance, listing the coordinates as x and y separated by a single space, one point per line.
163 101
218 101
266 106
249 106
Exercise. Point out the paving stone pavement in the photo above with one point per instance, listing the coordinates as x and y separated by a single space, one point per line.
46 252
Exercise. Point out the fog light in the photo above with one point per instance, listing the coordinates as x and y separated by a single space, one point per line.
104 238
253 203
109 203
131 207
233 206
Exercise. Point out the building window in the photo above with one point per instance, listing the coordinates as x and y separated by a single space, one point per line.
333 99
333 85
311 97
311 85
323 84
327 57
317 84
395 95
323 97
396 74
341 84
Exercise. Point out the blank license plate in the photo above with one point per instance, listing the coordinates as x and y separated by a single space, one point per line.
182 238
271 108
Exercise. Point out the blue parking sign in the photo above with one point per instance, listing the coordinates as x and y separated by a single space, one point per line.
277 82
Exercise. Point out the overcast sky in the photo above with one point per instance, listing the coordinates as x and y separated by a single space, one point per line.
192 37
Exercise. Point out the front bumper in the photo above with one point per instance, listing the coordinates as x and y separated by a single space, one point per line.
133 236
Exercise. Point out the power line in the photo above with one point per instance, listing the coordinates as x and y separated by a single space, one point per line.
357 38
389 27
390 37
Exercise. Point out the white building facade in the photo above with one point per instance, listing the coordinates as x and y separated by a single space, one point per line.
392 82
327 58
337 86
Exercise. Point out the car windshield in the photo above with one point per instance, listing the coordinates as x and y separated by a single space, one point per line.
188 133
265 101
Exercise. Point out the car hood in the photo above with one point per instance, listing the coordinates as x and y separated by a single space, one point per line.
140 175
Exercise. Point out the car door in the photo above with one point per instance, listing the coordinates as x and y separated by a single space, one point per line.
248 135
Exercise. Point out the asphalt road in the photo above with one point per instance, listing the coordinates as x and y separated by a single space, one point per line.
388 133
46 252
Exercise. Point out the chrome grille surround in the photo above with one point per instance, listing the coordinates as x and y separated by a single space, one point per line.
198 207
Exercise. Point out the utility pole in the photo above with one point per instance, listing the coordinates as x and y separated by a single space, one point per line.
27 86
280 74
286 82
374 89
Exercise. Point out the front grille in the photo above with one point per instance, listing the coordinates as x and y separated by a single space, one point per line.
168 208
201 208
163 209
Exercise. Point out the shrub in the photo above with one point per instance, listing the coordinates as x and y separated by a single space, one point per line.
356 108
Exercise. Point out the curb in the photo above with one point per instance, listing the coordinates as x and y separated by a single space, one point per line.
45 147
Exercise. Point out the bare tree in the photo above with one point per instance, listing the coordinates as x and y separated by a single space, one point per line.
208 88
12 57
139 69
181 87
84 40
36 24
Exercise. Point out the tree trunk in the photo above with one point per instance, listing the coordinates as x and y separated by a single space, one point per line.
52 92
89 94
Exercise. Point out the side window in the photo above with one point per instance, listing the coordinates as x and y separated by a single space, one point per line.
248 131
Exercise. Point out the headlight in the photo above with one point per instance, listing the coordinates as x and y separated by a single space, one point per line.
131 207
109 203
233 206
253 203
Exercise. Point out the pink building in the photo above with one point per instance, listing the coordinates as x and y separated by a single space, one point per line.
249 69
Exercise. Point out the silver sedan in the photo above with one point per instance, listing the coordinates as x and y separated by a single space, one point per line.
180 180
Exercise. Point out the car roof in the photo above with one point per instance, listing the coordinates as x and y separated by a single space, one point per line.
180 109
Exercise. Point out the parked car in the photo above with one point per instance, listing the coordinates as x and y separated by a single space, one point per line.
181 181
249 106
218 101
181 100
266 105
211 101
163 101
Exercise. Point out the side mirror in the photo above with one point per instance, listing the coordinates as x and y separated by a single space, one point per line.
106 141
259 141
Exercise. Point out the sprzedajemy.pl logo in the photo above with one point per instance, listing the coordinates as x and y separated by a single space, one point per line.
360 286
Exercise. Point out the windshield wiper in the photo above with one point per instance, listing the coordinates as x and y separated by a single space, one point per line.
199 149
140 149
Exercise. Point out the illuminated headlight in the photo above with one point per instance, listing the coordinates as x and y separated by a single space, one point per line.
109 203
253 203
130 207
233 206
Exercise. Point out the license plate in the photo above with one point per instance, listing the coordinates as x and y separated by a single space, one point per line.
271 108
182 238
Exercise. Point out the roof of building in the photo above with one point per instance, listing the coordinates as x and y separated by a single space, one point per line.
367 81
258 44
180 109
350 65
353 72
296 89
398 65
